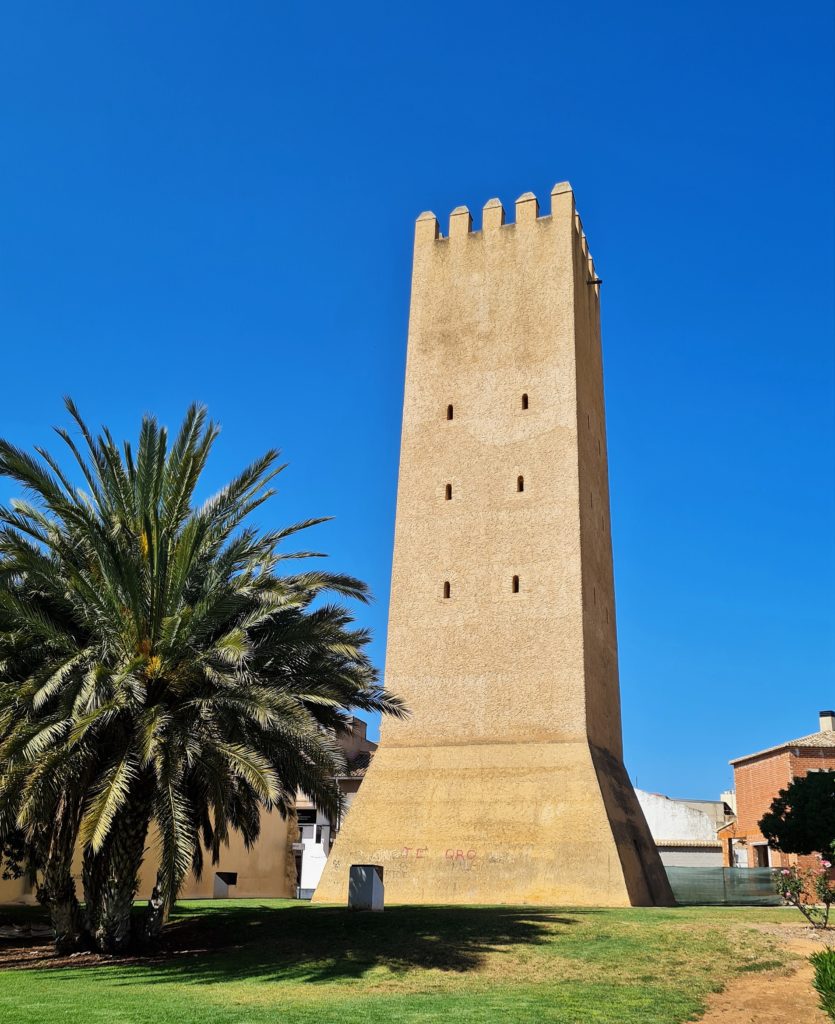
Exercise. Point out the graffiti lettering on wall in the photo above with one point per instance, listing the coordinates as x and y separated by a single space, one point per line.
414 852
423 853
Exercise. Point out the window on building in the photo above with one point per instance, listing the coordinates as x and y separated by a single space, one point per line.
449 412
524 401
760 855
449 492
224 881
446 589
515 585
520 483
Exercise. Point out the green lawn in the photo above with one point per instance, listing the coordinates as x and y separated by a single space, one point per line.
291 962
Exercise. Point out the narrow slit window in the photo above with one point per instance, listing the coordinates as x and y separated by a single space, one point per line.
449 412
449 492
520 484
515 585
524 401
446 589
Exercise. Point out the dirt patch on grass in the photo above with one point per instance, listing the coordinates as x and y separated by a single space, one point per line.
774 997
804 936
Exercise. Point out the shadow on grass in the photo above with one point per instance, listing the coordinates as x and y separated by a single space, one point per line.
321 944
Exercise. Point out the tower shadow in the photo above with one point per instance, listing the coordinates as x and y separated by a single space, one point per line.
322 944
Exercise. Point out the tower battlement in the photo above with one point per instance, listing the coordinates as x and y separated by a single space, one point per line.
494 218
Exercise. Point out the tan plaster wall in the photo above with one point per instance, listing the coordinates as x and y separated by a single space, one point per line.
470 824
600 638
268 869
16 891
506 689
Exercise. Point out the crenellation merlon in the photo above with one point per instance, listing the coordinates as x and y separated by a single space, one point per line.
527 211
527 208
426 227
460 223
492 216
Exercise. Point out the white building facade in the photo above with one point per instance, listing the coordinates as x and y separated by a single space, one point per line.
684 830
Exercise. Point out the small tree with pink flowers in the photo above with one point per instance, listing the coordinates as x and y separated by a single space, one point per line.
801 820
809 889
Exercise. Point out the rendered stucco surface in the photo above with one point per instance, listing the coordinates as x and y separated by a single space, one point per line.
671 819
506 784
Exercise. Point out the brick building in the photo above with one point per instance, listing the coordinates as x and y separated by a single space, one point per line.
758 778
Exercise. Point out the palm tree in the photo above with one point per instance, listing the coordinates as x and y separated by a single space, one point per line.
156 666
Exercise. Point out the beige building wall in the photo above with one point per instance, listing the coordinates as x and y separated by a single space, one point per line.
507 783
16 890
268 869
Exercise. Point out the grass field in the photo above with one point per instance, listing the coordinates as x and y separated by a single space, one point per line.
275 960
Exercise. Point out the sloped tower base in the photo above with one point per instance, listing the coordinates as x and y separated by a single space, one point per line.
539 823
507 783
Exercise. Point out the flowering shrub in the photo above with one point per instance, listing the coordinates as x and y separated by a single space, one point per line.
808 889
824 964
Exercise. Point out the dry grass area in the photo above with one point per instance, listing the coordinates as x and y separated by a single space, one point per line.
254 961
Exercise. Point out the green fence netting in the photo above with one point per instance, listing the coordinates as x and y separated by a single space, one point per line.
731 887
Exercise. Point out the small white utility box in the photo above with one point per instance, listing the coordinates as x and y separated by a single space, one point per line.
365 887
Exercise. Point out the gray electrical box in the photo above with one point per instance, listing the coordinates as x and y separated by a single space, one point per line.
365 887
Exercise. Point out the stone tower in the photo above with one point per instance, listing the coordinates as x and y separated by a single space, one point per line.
507 783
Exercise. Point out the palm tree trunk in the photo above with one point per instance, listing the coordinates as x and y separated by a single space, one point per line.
110 879
57 894
57 890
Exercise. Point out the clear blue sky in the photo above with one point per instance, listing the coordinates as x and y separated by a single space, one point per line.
215 201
